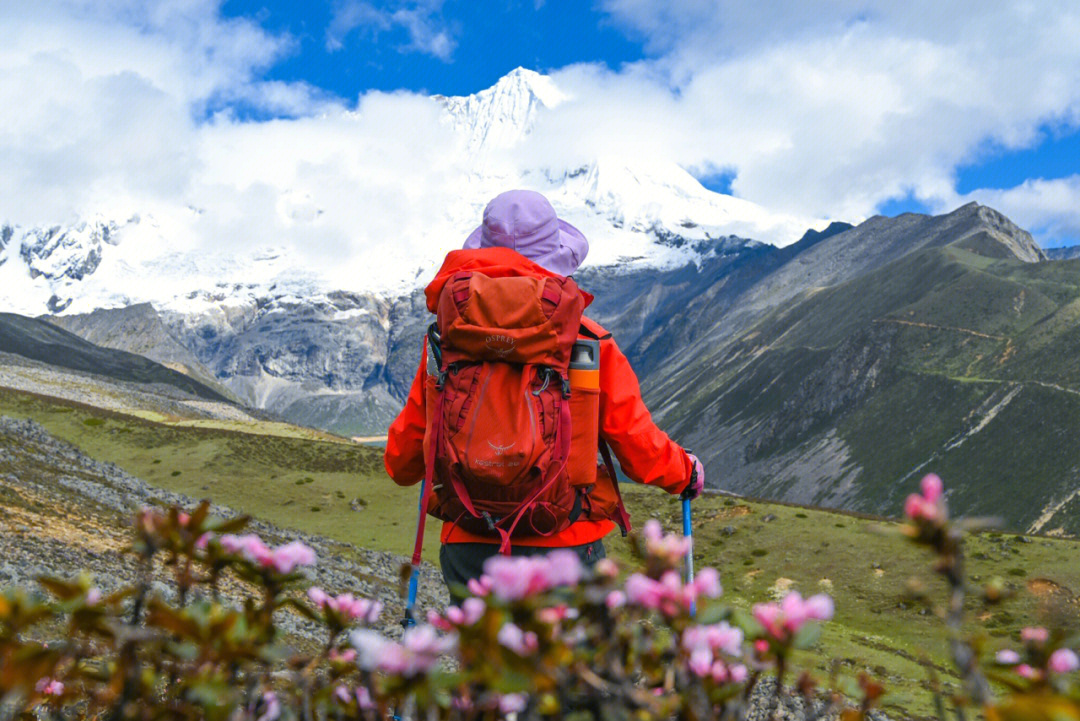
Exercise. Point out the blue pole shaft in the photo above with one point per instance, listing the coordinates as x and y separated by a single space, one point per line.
688 532
414 577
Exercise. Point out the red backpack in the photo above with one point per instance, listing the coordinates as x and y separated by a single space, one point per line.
498 439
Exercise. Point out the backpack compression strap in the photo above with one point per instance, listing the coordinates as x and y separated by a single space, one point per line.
429 454
555 469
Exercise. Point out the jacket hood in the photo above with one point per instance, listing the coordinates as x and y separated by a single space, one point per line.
493 262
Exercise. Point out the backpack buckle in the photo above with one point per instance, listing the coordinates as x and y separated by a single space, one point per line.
565 387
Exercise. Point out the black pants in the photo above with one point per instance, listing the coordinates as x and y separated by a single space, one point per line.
463 561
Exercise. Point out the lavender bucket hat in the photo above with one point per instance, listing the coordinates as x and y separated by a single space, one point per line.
523 220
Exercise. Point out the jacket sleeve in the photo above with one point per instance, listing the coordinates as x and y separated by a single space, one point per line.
645 452
404 457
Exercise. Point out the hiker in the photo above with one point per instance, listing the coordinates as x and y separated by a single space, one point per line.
488 414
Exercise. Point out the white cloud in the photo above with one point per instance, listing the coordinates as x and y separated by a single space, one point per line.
832 108
420 19
1049 208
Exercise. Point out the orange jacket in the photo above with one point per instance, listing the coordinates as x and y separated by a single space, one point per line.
645 452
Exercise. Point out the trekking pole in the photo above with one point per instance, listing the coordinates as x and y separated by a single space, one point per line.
688 532
414 575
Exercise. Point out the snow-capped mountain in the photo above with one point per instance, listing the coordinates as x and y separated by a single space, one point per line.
501 115
288 334
630 208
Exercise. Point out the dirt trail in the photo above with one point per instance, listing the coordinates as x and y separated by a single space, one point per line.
932 326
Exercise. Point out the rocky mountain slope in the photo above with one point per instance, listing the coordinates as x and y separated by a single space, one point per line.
63 514
884 351
1066 253
38 340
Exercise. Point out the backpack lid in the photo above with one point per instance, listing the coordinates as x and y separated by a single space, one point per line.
492 262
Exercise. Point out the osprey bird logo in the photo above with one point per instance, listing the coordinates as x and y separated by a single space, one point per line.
499 450
500 345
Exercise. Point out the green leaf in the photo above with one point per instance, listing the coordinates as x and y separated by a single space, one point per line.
808 636
300 607
64 590
232 525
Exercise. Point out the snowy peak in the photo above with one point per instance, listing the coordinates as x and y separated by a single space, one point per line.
59 252
503 114
58 256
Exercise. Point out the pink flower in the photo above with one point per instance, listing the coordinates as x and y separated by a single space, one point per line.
287 558
1027 671
555 614
516 577
615 599
701 661
564 568
669 548
370 646
183 518
707 583
471 611
342 694
512 703
93 596
643 591
1007 657
1064 660
283 559
438 621
720 637
271 707
784 620
203 541
723 673
523 643
346 605
820 607
423 647
346 656
606 568
250 546
474 609
770 617
1034 634
703 643
49 687
930 504
932 487
480 586
418 652
669 595
363 698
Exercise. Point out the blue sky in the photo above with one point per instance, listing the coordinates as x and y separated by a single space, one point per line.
489 39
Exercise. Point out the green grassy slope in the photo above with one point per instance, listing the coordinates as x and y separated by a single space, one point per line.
954 359
760 548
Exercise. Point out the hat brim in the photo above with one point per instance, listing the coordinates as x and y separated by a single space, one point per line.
564 260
